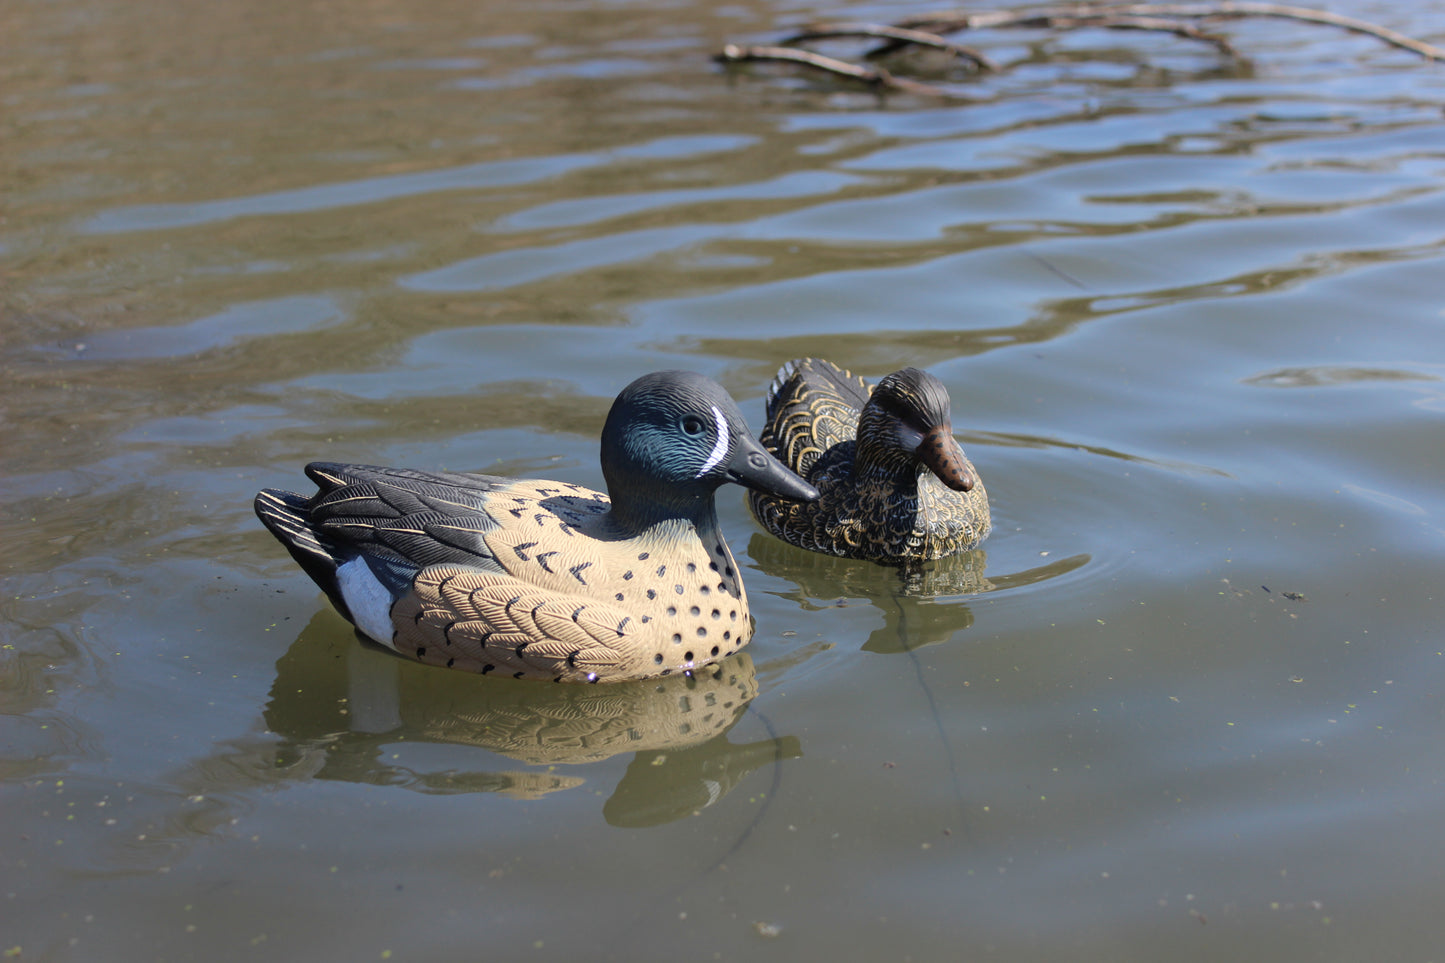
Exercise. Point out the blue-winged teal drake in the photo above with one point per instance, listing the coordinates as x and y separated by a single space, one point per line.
894 484
540 579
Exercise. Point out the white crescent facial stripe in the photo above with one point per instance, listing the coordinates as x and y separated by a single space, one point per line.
719 448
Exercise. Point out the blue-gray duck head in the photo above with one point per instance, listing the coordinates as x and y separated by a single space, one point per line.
908 421
673 437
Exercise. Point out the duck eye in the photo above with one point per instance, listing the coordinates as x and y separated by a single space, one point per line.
692 424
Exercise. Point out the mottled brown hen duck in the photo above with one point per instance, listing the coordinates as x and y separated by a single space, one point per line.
893 483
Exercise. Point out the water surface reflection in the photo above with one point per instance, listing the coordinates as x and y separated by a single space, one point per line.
1188 311
351 712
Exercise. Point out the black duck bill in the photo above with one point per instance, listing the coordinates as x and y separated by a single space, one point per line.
751 466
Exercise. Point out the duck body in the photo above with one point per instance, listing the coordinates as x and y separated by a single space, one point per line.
540 579
893 483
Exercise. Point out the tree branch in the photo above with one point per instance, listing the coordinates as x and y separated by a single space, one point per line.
944 23
876 76
929 30
1070 18
902 36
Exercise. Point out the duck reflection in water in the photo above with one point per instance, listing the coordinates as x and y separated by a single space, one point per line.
342 710
922 603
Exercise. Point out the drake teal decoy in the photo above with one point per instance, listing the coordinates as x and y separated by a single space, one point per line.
894 484
540 579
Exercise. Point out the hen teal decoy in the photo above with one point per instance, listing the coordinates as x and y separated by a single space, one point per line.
540 579
894 484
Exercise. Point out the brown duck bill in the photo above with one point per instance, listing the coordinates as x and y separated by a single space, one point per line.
941 452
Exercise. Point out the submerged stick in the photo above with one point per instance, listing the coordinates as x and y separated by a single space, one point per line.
1077 19
902 36
1236 9
1223 10
876 76
929 30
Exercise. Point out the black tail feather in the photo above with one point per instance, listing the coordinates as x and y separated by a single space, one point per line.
817 375
286 515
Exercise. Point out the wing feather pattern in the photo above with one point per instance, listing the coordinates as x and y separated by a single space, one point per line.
812 406
484 622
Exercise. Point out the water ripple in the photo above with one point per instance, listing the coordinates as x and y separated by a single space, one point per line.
369 190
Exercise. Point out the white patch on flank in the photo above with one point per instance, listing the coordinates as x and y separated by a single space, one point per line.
719 448
368 600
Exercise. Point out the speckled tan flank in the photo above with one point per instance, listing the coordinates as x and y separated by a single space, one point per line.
574 608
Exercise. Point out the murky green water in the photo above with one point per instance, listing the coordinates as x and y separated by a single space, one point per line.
1184 704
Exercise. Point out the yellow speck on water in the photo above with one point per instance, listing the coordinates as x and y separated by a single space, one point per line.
386 954
14 951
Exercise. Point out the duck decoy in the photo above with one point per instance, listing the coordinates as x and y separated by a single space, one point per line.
541 579
894 484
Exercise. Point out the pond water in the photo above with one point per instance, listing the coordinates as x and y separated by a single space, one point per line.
1185 703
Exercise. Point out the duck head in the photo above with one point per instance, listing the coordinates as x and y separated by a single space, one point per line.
907 421
673 437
